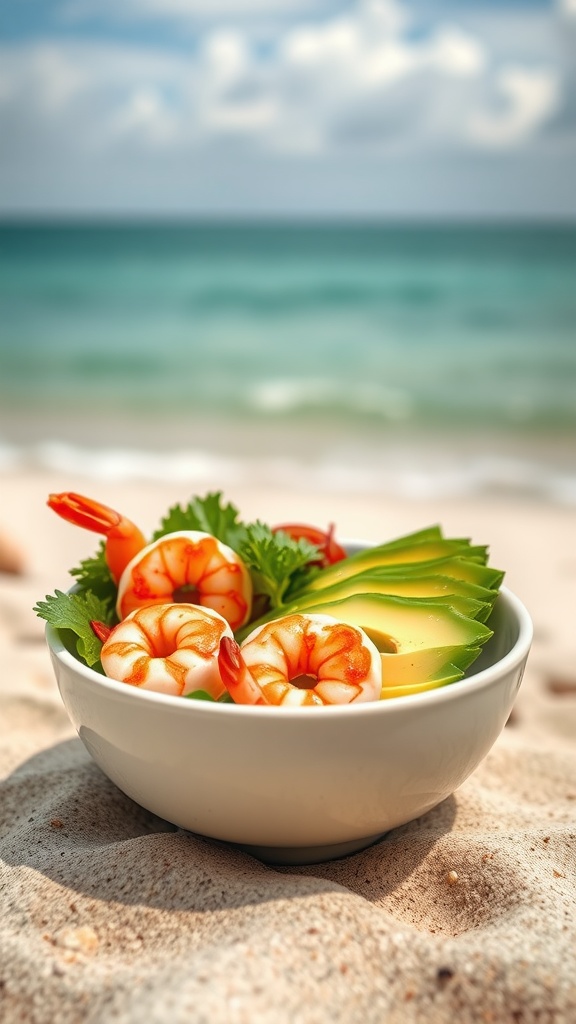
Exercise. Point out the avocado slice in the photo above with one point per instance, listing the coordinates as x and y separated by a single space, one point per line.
396 556
404 624
429 665
466 598
456 566
406 691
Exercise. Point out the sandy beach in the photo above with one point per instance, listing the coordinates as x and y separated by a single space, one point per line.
320 258
110 914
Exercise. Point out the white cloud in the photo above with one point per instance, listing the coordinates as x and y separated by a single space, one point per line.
343 75
338 60
457 53
226 56
78 99
323 76
531 99
360 88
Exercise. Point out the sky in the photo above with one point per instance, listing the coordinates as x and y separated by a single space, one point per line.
403 108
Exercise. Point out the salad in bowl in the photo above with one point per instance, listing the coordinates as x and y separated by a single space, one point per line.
216 609
278 687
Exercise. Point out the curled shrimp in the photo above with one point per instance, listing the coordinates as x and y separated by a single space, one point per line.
302 660
169 648
188 565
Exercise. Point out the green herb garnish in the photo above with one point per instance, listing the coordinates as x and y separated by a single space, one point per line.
277 562
94 575
75 613
210 515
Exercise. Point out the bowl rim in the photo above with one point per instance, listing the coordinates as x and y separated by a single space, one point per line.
483 679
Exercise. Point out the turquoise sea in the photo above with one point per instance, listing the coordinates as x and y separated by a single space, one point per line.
382 332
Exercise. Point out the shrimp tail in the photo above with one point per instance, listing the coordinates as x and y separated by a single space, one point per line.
85 512
123 538
100 629
236 676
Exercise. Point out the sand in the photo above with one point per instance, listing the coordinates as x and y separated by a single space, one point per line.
111 914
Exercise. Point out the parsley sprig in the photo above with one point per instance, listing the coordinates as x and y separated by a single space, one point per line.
210 515
278 564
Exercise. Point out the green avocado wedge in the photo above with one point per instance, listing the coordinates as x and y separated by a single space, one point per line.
400 624
466 598
437 665
456 567
396 556
408 690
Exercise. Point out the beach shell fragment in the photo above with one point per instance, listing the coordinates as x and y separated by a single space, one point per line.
11 556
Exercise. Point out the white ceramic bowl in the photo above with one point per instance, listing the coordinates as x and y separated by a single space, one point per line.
304 784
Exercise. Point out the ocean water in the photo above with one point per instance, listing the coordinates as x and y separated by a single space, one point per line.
378 332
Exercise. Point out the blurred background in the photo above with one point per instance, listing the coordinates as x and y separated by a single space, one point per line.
329 243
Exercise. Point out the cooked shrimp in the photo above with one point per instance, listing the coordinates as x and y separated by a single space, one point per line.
188 565
302 660
169 648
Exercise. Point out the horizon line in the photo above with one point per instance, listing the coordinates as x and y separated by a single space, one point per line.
189 219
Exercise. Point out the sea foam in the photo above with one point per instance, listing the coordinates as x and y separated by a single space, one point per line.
411 473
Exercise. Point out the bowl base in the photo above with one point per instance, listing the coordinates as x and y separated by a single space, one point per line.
288 855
